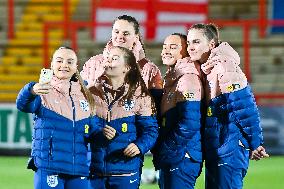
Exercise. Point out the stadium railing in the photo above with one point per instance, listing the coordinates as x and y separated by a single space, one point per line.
262 22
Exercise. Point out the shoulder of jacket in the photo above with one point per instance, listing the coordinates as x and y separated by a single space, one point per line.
189 91
187 81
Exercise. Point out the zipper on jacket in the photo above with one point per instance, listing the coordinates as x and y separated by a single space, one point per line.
108 114
108 123
50 148
104 164
108 119
73 124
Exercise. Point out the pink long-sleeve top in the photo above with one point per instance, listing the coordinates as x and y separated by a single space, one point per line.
151 74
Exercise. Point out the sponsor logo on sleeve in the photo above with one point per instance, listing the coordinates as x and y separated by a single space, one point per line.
233 87
188 96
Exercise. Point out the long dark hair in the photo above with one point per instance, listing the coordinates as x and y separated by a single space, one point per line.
87 94
183 39
135 24
133 77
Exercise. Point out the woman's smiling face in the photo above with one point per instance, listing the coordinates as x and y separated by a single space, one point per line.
198 45
64 63
123 34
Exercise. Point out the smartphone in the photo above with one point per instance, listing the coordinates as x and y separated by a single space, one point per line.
45 75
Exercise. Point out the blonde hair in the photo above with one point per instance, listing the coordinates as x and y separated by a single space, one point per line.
86 92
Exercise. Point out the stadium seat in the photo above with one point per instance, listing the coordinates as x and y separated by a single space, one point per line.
22 57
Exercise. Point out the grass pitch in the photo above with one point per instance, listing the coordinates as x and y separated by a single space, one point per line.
267 173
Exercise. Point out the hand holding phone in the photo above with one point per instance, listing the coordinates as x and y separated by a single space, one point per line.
43 86
45 75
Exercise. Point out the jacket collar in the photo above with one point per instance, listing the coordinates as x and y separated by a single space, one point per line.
182 67
105 88
63 86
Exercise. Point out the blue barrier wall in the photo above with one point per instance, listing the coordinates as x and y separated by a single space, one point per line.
277 13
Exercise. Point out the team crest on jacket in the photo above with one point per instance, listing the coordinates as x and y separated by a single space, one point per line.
128 105
211 84
170 96
52 180
84 105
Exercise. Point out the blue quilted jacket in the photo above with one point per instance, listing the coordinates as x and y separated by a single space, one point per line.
133 121
180 130
232 119
62 125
